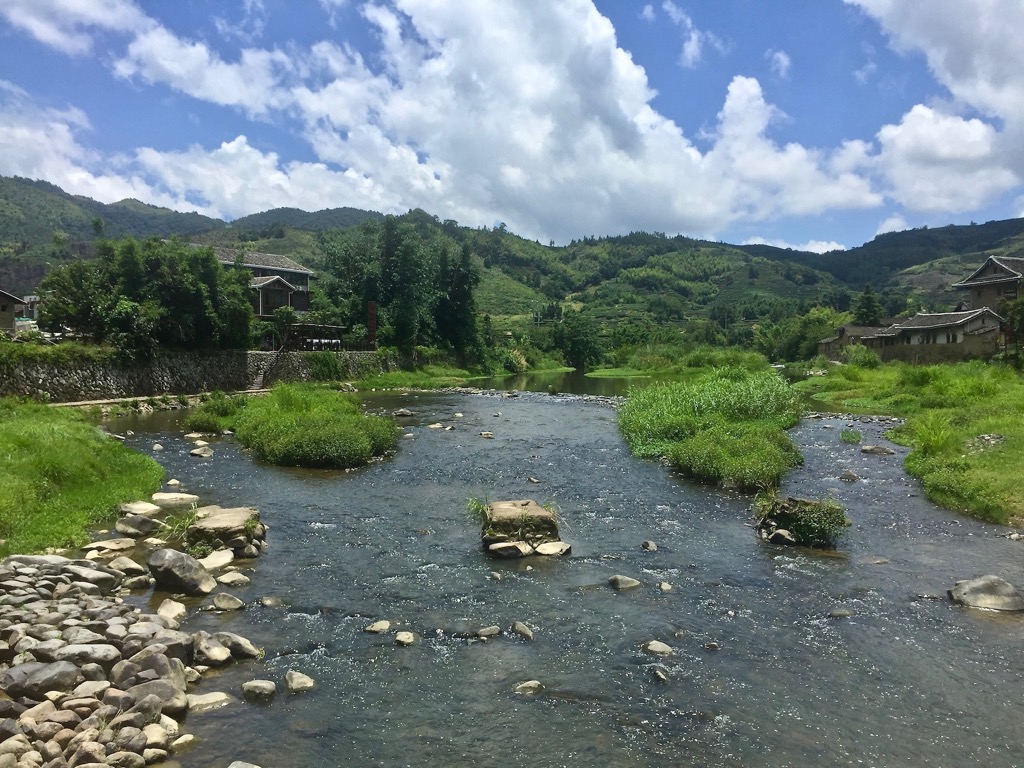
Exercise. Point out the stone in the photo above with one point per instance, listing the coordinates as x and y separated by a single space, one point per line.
510 549
781 536
841 613
234 579
203 452
157 447
649 546
110 545
378 627
405 638
136 526
990 592
183 742
169 699
487 435
402 413
125 759
528 687
849 477
172 611
486 632
240 647
553 548
34 679
156 736
657 648
179 572
209 651
664 586
522 630
297 682
143 508
128 566
204 702
222 601
174 500
218 559
621 583
259 690
877 450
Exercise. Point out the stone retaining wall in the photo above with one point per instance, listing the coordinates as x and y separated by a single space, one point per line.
170 374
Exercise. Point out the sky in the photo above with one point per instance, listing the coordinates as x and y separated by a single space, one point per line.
812 124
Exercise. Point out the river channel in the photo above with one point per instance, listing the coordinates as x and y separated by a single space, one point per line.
763 674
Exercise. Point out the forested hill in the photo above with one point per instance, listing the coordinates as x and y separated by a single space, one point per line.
879 260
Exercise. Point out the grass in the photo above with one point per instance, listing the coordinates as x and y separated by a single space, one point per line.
60 476
945 407
811 523
428 377
309 426
850 436
727 427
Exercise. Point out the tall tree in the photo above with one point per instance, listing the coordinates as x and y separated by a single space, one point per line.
867 310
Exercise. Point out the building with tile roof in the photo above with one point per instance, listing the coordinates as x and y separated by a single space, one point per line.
995 281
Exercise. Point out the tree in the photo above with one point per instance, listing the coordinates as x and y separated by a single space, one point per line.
577 338
867 310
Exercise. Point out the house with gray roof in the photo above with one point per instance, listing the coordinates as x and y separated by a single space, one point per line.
11 308
995 281
939 337
277 281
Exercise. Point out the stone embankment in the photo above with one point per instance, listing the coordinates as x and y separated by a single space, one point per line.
88 678
173 373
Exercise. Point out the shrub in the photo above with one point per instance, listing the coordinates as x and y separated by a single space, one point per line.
850 436
861 356
811 523
324 366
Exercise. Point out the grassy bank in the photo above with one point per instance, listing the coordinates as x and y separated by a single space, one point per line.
726 427
948 408
300 425
60 476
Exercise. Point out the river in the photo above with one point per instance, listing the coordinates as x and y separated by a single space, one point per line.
762 674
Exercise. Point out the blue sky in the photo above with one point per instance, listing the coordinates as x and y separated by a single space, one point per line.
803 123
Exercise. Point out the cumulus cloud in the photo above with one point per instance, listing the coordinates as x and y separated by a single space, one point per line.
779 62
894 223
814 246
68 25
694 40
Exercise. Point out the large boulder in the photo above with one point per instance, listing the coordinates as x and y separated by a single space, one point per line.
218 527
35 679
989 592
179 572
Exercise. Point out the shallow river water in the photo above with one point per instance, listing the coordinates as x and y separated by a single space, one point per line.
903 681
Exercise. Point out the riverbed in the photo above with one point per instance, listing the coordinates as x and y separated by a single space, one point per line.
782 657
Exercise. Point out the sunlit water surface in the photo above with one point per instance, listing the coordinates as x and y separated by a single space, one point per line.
904 681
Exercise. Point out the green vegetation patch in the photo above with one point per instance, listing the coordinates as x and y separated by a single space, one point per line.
947 409
59 476
307 426
810 523
726 428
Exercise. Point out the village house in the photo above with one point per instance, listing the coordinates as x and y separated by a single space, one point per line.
939 337
995 281
843 337
277 281
11 308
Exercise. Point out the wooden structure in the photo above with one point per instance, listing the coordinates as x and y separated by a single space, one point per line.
995 281
939 337
11 308
277 281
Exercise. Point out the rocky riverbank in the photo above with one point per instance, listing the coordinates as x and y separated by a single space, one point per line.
88 676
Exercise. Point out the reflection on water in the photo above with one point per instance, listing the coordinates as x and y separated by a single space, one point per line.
903 681
568 382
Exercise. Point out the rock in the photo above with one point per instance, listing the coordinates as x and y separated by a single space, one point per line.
234 579
172 611
486 632
209 651
620 583
136 526
259 690
143 508
110 545
174 500
989 592
650 546
170 700
296 682
402 413
94 653
183 742
405 638
659 674
841 613
849 477
528 687
204 702
378 627
487 435
178 572
781 536
712 646
203 452
522 630
877 450
270 601
157 447
217 560
128 566
219 524
34 679
664 586
553 548
240 647
510 549
102 576
657 648
125 760
222 601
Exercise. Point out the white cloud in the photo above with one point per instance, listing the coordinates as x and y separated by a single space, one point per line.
694 40
779 62
894 223
67 25
814 246
647 13
937 162
524 113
